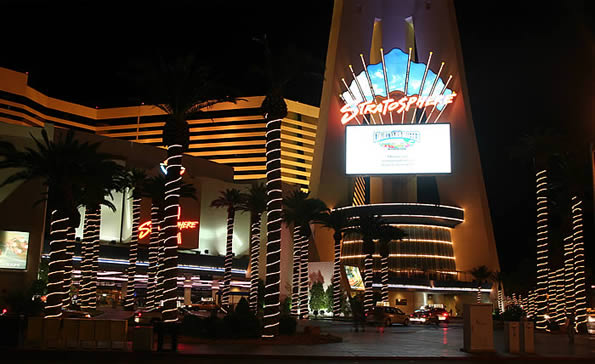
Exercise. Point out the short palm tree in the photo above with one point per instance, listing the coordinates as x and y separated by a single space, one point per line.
255 202
103 180
299 211
368 227
231 199
137 178
338 221
498 277
387 234
480 274
62 165
184 88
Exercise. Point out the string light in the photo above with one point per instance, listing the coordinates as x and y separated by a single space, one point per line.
297 256
273 246
132 255
569 275
304 282
70 236
55 284
228 259
336 279
542 249
254 263
578 251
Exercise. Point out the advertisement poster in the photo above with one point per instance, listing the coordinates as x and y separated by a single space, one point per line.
355 278
13 249
397 149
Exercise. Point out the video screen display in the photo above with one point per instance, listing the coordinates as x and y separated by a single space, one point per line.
13 249
354 278
397 149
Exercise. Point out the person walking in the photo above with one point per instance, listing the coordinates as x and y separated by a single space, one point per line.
570 328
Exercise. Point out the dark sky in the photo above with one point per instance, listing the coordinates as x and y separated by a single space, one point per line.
528 63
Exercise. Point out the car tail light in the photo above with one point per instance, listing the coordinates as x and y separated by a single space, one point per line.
139 314
423 315
366 314
4 311
445 314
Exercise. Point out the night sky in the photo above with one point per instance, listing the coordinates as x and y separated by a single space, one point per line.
528 64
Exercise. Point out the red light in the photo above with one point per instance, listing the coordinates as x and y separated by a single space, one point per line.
4 311
139 314
423 315
445 314
366 315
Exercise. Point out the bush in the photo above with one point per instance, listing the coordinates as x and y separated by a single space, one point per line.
287 325
513 313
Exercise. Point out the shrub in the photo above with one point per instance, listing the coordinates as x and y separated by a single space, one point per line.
513 313
287 325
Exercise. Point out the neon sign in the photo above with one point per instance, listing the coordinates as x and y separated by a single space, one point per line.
144 229
395 86
392 105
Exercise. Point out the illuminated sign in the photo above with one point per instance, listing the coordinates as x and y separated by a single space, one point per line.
397 149
395 86
354 278
144 229
392 105
13 249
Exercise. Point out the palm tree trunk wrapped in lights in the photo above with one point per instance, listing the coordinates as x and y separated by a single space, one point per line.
88 266
92 294
368 281
542 249
231 199
132 256
569 275
254 260
304 277
384 280
55 286
170 223
254 202
153 257
159 277
297 256
578 250
560 317
68 266
336 280
274 208
481 274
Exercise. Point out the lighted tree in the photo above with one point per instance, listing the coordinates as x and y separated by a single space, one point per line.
481 274
336 220
231 199
386 235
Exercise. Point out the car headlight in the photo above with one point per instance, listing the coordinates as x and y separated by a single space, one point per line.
137 319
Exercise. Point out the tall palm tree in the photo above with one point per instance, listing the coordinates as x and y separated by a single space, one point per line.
498 278
299 211
480 274
137 178
336 220
368 227
185 88
255 202
231 199
387 234
278 72
62 166
154 188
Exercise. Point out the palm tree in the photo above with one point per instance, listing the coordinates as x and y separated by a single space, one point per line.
368 227
154 188
386 235
137 178
278 73
338 221
103 180
255 202
63 166
185 88
232 199
299 211
481 274
498 277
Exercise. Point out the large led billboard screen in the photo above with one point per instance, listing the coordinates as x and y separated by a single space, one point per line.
13 249
354 278
397 149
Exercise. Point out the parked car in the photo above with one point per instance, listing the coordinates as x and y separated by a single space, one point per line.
385 315
430 316
146 317
591 321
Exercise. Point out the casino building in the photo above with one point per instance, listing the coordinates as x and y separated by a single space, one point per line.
406 57
389 64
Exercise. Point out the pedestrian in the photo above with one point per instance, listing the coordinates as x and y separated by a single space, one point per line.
570 328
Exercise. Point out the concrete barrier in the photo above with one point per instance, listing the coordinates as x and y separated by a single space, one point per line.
102 334
70 332
52 333
87 334
118 334
34 336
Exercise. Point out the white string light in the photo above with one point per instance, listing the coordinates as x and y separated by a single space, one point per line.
55 286
297 256
542 249
132 255
228 259
254 263
578 251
